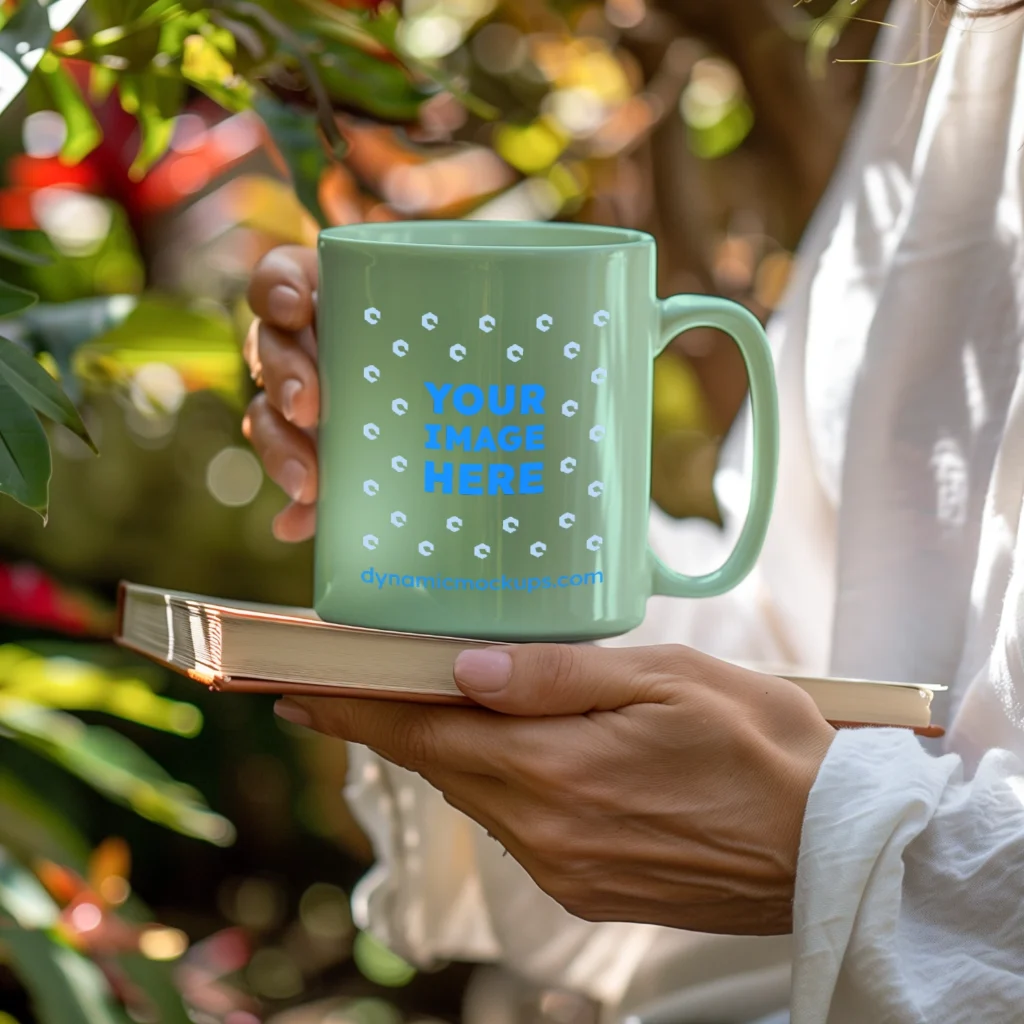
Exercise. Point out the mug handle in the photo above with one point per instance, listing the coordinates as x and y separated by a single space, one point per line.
682 313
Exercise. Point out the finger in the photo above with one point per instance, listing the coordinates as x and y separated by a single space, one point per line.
287 453
305 339
569 679
295 523
421 738
289 376
283 287
251 351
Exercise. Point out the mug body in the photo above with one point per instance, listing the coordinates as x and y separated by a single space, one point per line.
485 428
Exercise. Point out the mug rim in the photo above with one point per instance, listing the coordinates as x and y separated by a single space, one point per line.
369 234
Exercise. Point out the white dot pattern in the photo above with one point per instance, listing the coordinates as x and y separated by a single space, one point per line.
459 352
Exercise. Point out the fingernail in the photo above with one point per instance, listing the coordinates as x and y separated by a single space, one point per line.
283 304
291 712
292 478
289 392
483 671
277 526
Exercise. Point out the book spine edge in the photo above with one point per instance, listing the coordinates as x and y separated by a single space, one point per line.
210 679
122 596
929 731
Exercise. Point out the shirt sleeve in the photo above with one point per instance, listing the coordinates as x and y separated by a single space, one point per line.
909 906
441 889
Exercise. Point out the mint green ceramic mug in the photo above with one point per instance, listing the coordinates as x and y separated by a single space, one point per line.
485 431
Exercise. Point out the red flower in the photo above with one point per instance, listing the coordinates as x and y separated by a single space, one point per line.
29 597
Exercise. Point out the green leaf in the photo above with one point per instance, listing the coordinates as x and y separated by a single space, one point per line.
73 684
326 20
347 58
14 299
68 979
60 13
103 262
32 827
22 41
157 981
115 767
39 389
83 132
61 328
10 250
383 27
125 35
252 42
175 31
206 67
65 987
118 13
201 345
297 137
158 100
101 82
128 93
23 897
24 452
356 78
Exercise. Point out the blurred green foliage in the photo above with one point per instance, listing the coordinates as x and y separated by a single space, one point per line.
81 962
26 392
235 52
47 942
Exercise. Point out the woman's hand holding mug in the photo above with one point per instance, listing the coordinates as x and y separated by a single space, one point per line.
649 784
281 352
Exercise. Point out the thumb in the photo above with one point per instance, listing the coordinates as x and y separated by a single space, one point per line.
562 679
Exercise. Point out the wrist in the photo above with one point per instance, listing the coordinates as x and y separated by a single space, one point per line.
798 764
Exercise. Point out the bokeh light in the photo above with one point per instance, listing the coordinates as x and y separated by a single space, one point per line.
234 476
44 133
157 388
86 917
163 943
324 913
431 36
254 902
499 48
274 974
115 890
77 223
379 964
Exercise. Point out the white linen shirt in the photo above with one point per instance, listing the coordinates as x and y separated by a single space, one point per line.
895 552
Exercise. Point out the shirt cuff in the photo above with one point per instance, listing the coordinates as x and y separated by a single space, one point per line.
876 791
